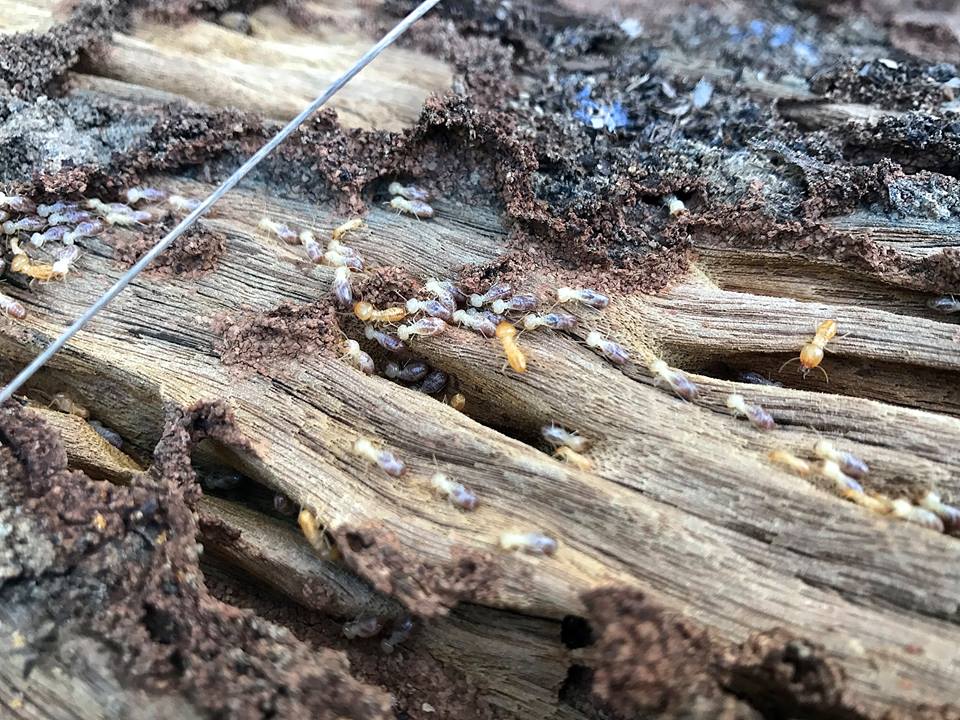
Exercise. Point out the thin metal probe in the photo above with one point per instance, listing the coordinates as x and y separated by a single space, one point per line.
228 184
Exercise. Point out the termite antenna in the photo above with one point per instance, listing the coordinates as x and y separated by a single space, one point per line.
825 376
793 359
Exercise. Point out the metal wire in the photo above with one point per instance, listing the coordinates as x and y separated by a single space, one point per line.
227 185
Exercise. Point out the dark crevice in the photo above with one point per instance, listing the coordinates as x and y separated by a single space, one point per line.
576 632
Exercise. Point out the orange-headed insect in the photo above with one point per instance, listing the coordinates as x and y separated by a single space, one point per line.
507 334
811 355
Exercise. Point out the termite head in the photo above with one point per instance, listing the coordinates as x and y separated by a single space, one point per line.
810 357
363 310
506 330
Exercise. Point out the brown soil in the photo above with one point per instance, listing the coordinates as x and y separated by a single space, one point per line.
194 253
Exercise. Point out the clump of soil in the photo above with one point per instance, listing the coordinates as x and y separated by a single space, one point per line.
386 285
66 538
269 342
425 589
195 253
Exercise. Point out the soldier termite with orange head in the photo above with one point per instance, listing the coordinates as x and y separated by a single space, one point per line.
759 417
517 303
12 308
410 192
314 533
458 401
791 462
348 227
572 457
279 230
342 292
424 327
358 357
456 493
612 351
390 343
555 321
494 292
21 264
433 308
384 459
366 312
475 321
417 208
584 296
848 462
811 355
532 543
507 335
561 437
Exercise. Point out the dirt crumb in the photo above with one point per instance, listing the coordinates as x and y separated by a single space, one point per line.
270 342
195 253
387 285
425 589
164 631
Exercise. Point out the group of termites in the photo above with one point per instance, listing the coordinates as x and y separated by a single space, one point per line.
42 239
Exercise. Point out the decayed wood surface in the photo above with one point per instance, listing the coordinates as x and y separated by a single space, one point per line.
682 502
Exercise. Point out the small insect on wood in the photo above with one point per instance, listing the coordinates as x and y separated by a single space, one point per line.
532 543
811 354
507 335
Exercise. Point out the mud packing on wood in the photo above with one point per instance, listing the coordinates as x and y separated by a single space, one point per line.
239 495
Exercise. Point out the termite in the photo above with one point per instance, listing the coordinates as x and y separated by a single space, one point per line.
413 371
128 219
183 204
848 462
417 208
754 378
843 482
366 312
12 308
424 327
791 462
434 382
433 308
561 437
365 627
337 258
447 293
905 510
108 434
339 247
475 321
65 404
348 227
37 271
342 292
759 417
584 296
313 531
456 493
351 349
614 352
388 342
946 304
410 192
507 335
281 231
811 355
532 543
17 203
458 401
555 321
52 234
64 258
881 505
949 514
313 248
69 217
31 223
572 457
102 208
517 303
402 629
135 195
59 206
385 459
494 292
674 205
677 380
84 230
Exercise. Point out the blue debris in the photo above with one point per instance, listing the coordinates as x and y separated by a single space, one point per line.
782 34
599 115
735 33
757 28
806 53
702 93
